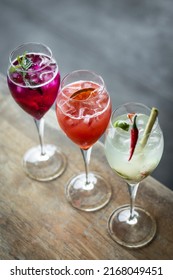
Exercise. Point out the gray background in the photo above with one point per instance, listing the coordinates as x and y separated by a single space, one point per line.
128 42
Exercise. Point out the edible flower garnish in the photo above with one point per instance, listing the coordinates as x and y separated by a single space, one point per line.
133 137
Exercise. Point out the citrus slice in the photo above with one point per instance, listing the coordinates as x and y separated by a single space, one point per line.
123 125
82 94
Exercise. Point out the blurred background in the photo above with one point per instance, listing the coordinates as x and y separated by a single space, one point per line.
128 42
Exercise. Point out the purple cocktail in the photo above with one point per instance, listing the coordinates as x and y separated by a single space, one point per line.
33 78
35 90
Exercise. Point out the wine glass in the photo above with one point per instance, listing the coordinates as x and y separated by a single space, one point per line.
133 146
83 111
33 79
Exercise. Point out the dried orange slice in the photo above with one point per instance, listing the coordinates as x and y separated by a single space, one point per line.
82 94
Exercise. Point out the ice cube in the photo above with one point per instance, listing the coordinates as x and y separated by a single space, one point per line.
99 103
122 143
72 89
86 85
33 78
44 60
46 75
81 112
86 119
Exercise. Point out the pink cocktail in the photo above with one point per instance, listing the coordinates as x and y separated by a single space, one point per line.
83 111
84 123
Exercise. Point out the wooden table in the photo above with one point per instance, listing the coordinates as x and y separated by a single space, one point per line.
37 222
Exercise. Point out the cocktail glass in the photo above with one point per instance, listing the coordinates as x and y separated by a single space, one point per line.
83 111
129 225
33 78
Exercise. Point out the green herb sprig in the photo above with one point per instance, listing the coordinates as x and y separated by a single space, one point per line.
24 63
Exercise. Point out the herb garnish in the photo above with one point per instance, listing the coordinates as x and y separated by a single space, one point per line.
24 63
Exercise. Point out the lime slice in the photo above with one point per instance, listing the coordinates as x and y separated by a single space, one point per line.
122 125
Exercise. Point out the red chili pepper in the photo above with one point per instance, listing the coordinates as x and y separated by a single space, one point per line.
134 138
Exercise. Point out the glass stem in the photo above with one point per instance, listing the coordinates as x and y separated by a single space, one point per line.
86 156
132 188
40 129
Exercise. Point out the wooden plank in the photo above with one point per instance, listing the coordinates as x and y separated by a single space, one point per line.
37 222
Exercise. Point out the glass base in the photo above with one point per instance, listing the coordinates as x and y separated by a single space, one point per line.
44 167
88 197
131 233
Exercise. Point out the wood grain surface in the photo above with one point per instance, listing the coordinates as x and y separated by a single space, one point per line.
37 222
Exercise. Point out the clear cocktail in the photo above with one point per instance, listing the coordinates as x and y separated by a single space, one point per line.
133 146
144 160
